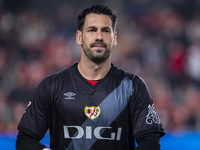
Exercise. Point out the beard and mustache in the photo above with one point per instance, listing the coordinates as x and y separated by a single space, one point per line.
98 44
96 56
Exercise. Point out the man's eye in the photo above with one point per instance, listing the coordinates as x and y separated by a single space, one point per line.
91 30
107 31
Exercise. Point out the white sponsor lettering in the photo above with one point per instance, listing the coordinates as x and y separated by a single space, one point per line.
89 133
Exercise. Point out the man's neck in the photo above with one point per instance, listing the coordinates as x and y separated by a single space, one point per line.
92 71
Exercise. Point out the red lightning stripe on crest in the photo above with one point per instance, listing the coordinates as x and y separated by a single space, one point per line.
93 112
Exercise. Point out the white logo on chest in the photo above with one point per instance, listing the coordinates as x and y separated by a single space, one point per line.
69 95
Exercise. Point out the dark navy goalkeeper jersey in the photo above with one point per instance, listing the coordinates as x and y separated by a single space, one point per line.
107 116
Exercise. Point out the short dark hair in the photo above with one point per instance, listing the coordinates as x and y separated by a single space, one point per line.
97 9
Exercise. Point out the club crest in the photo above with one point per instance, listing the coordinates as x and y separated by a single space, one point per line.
92 112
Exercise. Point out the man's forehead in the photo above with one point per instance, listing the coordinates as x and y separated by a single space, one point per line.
97 20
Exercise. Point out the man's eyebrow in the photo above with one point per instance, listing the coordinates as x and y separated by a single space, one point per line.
91 27
106 28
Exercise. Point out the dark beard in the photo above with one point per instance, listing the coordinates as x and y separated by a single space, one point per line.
96 59
98 43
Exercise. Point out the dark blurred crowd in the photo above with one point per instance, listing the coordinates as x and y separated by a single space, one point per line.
157 40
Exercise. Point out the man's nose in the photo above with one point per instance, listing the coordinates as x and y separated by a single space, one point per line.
99 35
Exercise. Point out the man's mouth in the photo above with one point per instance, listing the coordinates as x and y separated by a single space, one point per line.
98 44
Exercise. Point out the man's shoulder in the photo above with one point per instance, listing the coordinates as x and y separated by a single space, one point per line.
137 79
60 75
124 73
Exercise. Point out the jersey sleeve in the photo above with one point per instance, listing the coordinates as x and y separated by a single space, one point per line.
34 121
145 117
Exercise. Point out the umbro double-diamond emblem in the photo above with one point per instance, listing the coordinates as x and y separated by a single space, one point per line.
69 95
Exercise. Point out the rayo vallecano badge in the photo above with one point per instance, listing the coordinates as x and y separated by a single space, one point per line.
92 112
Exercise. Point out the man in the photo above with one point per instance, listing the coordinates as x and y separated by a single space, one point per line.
92 105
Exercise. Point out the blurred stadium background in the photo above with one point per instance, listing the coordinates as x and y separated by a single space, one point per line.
158 40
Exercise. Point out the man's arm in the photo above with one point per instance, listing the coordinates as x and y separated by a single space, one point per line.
150 141
25 142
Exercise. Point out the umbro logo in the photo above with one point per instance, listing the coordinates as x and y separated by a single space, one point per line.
69 95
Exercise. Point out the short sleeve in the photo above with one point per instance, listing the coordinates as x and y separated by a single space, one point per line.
145 117
34 120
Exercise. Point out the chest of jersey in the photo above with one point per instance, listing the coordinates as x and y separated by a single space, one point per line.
78 102
85 113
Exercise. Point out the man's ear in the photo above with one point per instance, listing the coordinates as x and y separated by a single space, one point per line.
78 37
115 39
